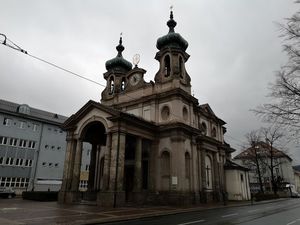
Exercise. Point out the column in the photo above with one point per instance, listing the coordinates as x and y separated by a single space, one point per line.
92 170
138 165
117 162
67 165
216 173
77 165
106 169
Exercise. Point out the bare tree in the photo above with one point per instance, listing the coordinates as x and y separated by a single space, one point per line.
272 136
253 157
284 105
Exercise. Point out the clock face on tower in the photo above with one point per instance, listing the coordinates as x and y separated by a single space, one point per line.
135 79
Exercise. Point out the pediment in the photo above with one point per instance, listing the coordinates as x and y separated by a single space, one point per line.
89 110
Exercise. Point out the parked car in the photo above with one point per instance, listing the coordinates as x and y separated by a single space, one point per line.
295 195
7 193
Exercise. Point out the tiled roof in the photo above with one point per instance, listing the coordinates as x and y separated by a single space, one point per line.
33 113
263 149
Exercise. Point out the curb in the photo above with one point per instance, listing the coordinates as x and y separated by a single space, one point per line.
176 211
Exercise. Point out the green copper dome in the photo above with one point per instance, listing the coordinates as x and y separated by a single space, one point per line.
172 39
118 63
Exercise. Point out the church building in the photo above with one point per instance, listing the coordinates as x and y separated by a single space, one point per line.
152 142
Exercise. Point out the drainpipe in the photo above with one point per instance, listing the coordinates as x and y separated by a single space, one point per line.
117 165
37 156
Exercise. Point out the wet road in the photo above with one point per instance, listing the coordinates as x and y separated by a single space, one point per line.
276 213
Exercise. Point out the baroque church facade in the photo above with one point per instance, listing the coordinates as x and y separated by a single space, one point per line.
152 142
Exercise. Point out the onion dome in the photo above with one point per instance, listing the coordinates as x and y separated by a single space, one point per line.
172 39
118 63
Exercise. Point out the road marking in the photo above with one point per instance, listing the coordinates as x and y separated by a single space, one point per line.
254 210
228 215
196 221
294 221
9 208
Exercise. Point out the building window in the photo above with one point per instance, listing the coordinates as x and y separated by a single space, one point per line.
34 127
185 113
21 162
3 140
7 122
242 178
31 144
13 141
165 113
50 164
44 164
46 146
214 132
87 167
17 162
58 148
111 85
208 172
9 161
52 147
167 68
1 160
56 165
22 125
22 143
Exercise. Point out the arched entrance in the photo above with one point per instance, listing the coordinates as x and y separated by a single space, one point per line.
94 136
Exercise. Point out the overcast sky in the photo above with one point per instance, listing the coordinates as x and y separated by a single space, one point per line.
234 46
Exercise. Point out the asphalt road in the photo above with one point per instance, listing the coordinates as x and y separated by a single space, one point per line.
275 213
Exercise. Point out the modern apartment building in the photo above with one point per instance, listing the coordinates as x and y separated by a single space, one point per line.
32 148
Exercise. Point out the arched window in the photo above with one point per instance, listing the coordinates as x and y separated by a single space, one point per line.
111 85
123 83
214 132
167 65
208 172
187 159
165 170
185 113
203 128
180 67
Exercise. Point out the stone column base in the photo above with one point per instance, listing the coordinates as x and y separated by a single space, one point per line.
68 197
111 199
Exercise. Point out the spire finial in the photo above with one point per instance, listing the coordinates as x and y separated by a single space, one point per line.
171 12
171 23
120 48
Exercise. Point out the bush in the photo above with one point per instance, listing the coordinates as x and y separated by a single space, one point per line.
43 196
264 196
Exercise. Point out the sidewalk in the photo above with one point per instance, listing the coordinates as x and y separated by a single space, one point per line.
18 211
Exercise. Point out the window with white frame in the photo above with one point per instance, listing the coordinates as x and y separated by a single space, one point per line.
7 122
9 161
22 125
34 127
22 143
31 144
13 141
3 140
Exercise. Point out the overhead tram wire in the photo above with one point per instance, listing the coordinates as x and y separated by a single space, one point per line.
14 46
18 48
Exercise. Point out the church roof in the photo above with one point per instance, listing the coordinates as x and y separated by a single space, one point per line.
118 63
264 150
172 39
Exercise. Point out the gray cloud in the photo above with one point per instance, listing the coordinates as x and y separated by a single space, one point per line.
234 48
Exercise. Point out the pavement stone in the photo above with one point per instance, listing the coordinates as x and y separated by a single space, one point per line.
25 212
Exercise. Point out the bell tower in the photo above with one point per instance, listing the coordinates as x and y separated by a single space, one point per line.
117 69
172 58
